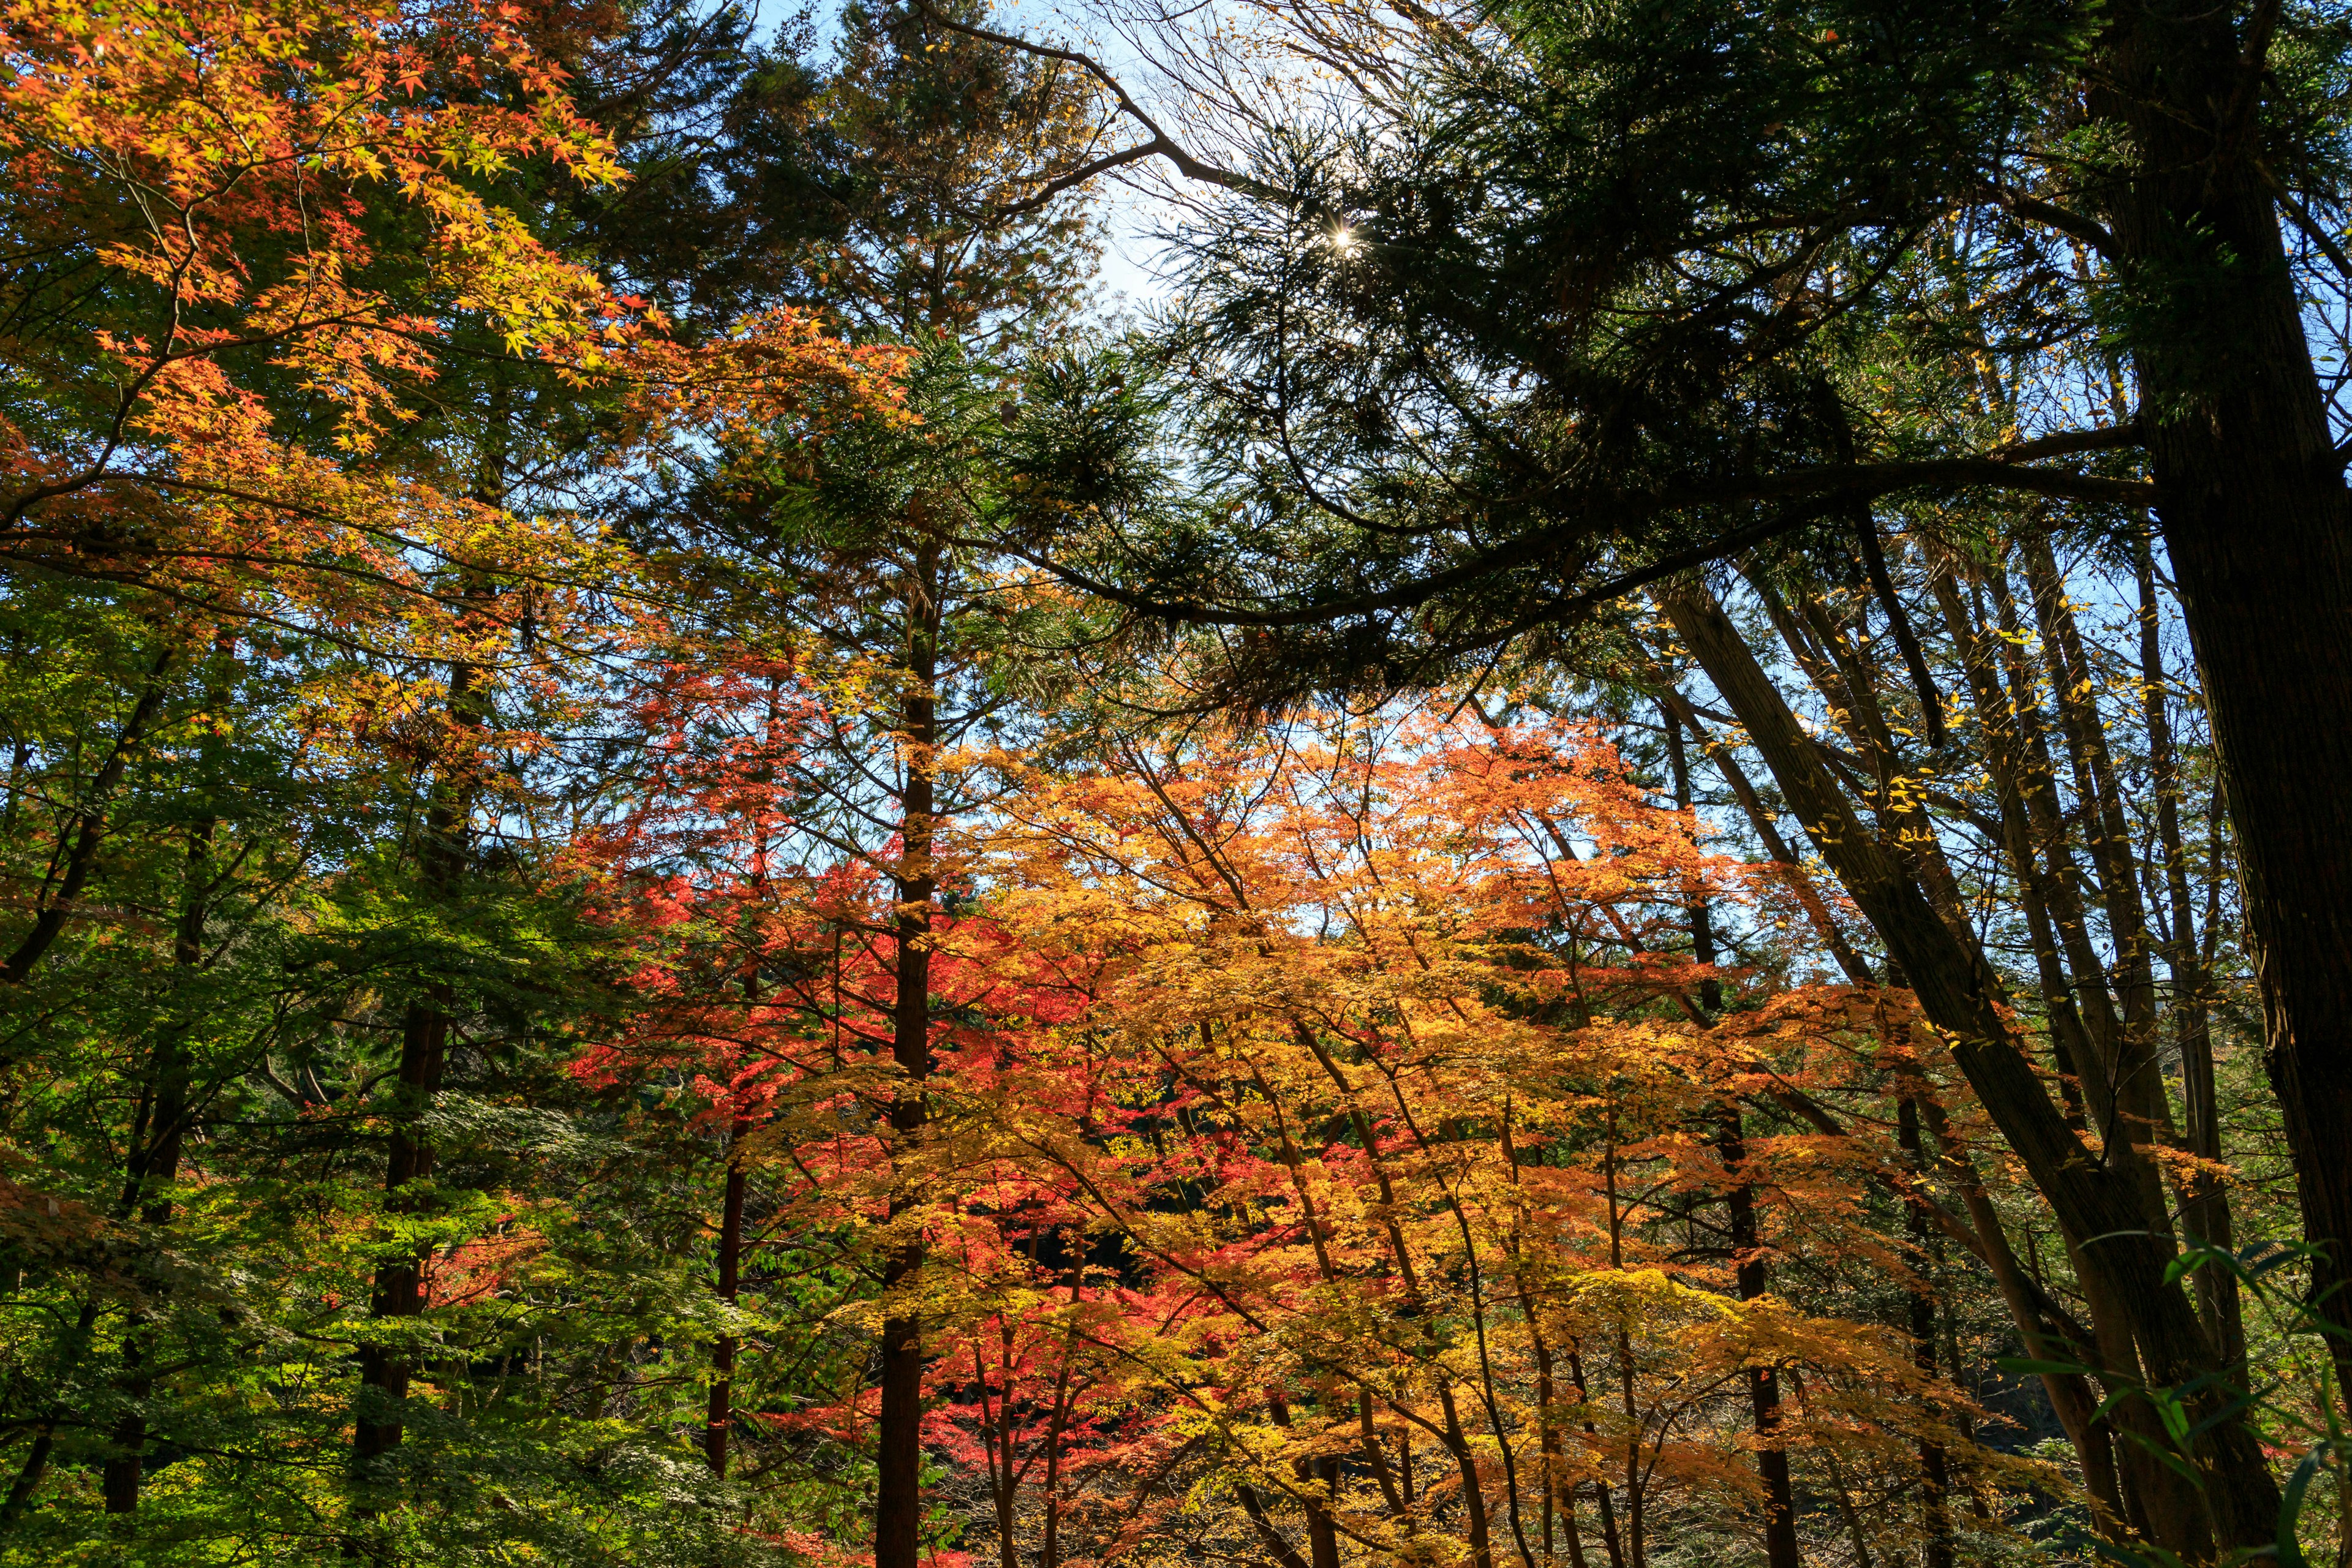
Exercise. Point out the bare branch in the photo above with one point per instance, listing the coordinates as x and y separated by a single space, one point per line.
1158 143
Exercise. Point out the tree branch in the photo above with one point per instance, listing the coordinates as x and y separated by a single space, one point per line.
1159 144
1999 469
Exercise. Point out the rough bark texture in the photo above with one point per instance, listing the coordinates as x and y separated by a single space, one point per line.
2257 529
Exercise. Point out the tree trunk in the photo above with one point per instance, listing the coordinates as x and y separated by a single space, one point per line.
157 1163
1935 1474
1739 1201
424 1049
2257 527
899 1503
720 1418
2205 1201
81 836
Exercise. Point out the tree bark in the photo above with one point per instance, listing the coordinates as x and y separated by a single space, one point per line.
1781 1549
398 1294
2205 1201
899 1503
61 889
720 1418
1934 1473
2257 525
155 1161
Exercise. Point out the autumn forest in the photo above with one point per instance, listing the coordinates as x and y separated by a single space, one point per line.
1302 784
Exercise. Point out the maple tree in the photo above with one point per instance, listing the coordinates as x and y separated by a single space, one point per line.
1417 1092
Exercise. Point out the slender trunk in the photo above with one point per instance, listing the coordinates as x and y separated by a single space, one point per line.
2005 758
2205 1201
996 1442
1630 1404
82 836
2107 1071
1056 1426
1793 874
1934 1472
1610 1540
2070 1392
1847 1513
1322 1539
384 1368
1634 1426
423 1051
1781 1549
1474 1497
2257 527
899 1503
377 1414
1739 1199
2140 1089
1903 823
719 1420
29 1475
37 1457
1282 1551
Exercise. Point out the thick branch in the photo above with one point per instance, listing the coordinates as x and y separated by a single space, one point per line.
1998 469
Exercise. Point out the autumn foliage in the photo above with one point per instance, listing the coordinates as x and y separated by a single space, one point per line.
645 916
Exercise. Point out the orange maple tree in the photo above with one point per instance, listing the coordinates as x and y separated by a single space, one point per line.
244 233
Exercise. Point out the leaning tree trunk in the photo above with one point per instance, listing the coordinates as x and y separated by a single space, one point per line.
2148 1327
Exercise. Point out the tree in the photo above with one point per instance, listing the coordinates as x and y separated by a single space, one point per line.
1552 306
1400 1096
869 197
297 378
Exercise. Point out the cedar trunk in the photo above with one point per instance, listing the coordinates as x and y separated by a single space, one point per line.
2258 528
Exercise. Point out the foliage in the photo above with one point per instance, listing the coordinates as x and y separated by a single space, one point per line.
672 889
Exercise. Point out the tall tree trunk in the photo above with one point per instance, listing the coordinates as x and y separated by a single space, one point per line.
2257 527
2205 1200
899 1503
398 1292
442 854
1322 1538
1934 1473
1763 1382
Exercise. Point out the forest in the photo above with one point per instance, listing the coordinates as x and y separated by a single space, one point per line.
1301 784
